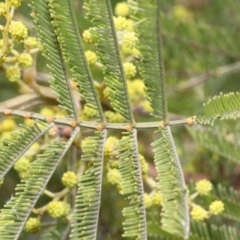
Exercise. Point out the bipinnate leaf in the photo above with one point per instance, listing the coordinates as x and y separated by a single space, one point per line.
16 211
100 13
175 212
60 83
87 204
223 106
13 148
132 187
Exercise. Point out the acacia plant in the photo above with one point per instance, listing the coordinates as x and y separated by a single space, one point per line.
93 135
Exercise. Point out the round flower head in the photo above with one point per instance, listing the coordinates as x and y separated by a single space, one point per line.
122 9
25 60
15 3
91 57
56 209
33 225
13 73
198 213
22 165
69 179
113 117
203 187
120 23
31 42
129 69
157 199
130 39
7 125
18 31
87 36
114 176
216 207
110 146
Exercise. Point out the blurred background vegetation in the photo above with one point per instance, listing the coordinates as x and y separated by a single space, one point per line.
202 58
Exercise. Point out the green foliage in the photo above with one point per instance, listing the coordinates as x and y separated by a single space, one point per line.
91 84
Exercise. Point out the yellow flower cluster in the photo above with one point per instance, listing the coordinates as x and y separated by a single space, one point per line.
88 113
122 9
152 199
33 225
31 42
144 164
113 117
25 60
7 124
15 3
198 213
22 165
87 36
13 73
114 176
18 31
91 57
130 39
216 207
110 146
69 179
203 187
120 23
157 199
129 69
58 209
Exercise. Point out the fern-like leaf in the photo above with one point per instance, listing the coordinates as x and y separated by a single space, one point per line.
216 142
100 13
132 187
89 190
17 210
19 143
175 213
60 83
223 106
73 52
152 65
205 231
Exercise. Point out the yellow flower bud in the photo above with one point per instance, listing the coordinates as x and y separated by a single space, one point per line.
18 30
33 225
198 213
203 187
216 207
122 9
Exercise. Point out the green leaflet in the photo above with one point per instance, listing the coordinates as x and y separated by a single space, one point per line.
100 13
71 45
152 65
216 142
205 231
223 106
87 204
52 51
132 187
19 144
17 210
175 213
